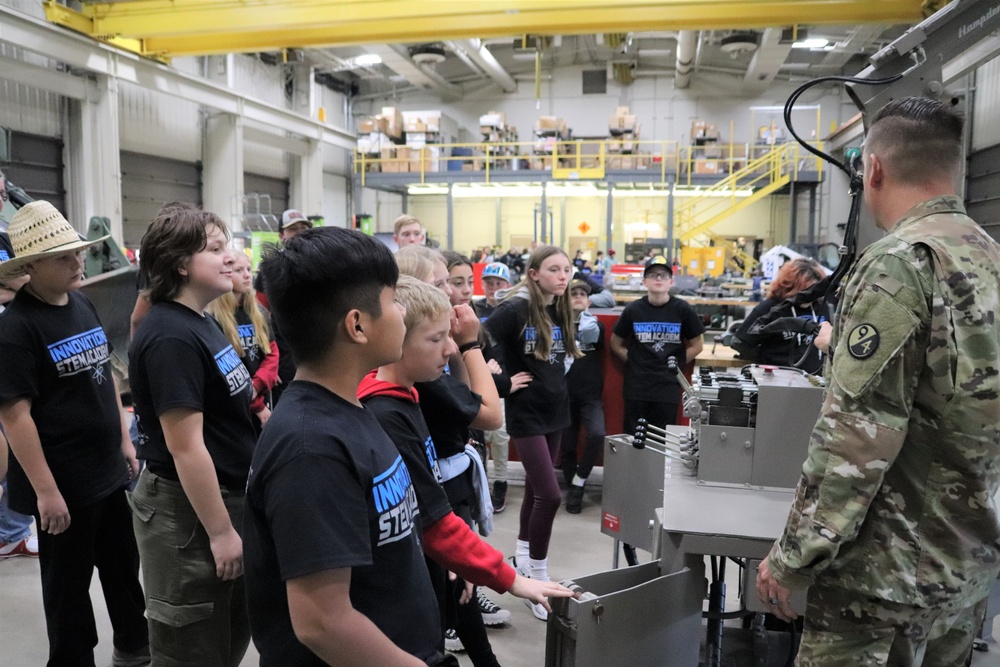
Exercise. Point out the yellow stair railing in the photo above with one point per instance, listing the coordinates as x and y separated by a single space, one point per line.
712 204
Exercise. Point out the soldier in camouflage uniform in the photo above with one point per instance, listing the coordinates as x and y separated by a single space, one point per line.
894 526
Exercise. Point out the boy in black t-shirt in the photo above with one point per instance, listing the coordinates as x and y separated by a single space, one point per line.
347 583
648 333
585 380
72 454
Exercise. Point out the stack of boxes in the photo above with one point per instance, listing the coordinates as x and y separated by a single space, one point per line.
548 131
706 150
423 134
380 134
623 148
495 130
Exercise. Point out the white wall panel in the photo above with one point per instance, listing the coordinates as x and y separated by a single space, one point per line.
260 80
264 160
30 110
335 200
30 7
155 123
986 108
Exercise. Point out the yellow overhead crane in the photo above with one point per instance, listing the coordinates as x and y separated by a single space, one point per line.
173 28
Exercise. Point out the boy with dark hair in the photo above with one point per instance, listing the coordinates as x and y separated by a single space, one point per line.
389 393
585 379
347 585
60 408
648 333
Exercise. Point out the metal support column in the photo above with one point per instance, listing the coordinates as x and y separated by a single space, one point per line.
222 168
544 216
451 216
812 213
405 197
610 221
563 236
670 222
793 222
499 221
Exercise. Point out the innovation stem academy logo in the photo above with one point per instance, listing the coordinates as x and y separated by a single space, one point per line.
83 352
395 501
237 375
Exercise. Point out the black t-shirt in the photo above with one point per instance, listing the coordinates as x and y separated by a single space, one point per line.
181 359
59 357
286 364
251 355
483 309
329 490
6 249
652 335
404 423
585 378
449 407
543 405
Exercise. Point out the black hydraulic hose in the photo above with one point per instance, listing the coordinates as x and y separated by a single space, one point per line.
794 97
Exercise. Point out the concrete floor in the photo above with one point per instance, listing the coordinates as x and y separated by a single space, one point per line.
578 548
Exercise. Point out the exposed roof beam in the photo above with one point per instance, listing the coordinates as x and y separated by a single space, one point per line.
860 37
37 36
199 27
481 56
44 78
768 59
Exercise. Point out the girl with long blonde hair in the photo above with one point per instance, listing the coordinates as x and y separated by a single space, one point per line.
534 333
244 322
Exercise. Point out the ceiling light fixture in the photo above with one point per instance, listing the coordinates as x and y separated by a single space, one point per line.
811 43
367 59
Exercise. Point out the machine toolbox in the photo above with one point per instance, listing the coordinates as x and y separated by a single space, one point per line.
633 616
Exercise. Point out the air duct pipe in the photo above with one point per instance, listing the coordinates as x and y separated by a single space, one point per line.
687 44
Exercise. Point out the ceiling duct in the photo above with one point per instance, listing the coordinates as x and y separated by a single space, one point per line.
428 54
739 43
476 51
687 44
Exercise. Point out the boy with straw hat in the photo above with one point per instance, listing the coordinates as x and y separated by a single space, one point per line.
72 453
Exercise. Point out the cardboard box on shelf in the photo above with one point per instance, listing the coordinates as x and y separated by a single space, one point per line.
621 111
547 123
707 167
703 130
416 139
622 123
415 125
394 121
643 161
495 119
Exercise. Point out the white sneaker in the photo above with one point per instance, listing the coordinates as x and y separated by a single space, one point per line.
452 643
26 547
493 614
538 610
523 569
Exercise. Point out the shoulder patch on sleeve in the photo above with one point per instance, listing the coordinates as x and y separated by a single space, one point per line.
862 341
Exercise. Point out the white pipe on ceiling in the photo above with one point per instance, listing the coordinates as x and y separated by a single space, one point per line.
687 43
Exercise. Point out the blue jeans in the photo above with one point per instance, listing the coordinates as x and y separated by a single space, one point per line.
14 526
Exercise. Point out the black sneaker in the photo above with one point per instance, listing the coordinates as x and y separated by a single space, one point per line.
452 643
499 496
492 614
574 499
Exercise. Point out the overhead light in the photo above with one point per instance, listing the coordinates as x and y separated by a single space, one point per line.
367 59
811 43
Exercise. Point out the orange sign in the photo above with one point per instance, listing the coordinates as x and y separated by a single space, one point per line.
584 228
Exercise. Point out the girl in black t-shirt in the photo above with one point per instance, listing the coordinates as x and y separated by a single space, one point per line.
533 332
245 323
192 399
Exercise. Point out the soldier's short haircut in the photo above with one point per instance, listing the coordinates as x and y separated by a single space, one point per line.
918 139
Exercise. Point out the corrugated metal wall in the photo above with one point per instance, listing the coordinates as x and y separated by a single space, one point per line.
260 80
986 106
26 109
157 123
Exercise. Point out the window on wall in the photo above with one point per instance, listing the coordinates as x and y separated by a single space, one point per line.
595 82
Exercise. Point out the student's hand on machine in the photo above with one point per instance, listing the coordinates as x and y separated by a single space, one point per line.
539 592
466 592
227 550
464 325
494 367
520 380
822 339
52 512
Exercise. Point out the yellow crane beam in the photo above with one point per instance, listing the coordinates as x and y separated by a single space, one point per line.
199 27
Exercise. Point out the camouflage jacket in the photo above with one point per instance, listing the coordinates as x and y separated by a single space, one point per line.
896 495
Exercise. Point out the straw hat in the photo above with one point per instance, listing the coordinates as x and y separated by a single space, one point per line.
38 230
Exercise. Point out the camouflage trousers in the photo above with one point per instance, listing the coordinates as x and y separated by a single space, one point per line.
841 629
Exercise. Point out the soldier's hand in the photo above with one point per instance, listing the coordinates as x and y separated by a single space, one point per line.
773 595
